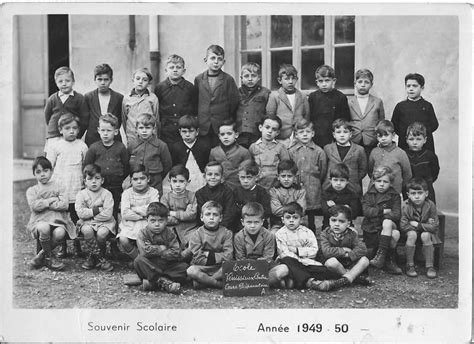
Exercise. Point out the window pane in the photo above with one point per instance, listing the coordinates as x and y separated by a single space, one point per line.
345 29
279 58
312 30
281 31
252 57
251 32
344 65
310 60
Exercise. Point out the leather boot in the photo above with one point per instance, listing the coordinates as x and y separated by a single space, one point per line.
390 263
379 260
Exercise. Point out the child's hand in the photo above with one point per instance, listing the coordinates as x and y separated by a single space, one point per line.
414 223
330 203
386 211
172 220
162 247
347 249
293 249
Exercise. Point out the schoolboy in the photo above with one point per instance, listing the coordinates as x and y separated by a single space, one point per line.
288 103
218 95
211 245
177 97
256 242
229 153
347 152
366 111
66 100
424 163
100 101
381 207
159 262
216 190
297 248
419 220
388 154
311 163
150 151
137 102
339 192
252 104
191 151
345 254
267 152
326 104
414 109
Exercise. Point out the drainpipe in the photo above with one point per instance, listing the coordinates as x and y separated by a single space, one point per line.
155 57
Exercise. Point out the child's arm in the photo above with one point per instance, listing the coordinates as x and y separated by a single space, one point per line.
358 248
82 210
124 117
172 251
229 210
239 247
396 121
309 248
83 117
371 163
146 247
272 104
107 207
227 249
275 203
165 160
328 250
432 225
269 248
36 203
125 158
283 153
301 198
361 164
370 208
126 210
395 210
326 203
48 111
196 247
381 112
60 202
90 157
306 110
233 96
405 222
354 205
322 165
52 154
405 167
432 123
264 200
190 213
434 167
344 112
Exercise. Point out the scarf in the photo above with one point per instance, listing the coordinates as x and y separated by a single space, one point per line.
338 236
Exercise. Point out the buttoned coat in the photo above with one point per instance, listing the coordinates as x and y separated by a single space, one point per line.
373 205
263 247
230 161
427 211
251 110
330 247
363 124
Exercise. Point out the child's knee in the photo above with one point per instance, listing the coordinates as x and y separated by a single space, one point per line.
426 238
411 238
395 234
87 232
280 271
102 234
332 263
43 229
192 271
364 262
58 234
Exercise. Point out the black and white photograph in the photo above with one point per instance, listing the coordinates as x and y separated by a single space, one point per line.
236 172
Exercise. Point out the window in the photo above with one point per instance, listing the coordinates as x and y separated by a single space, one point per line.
303 41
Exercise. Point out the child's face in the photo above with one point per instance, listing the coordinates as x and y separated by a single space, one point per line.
247 180
382 184
417 196
338 184
65 82
175 71
325 83
103 82
189 134
106 132
342 135
288 82
291 221
305 135
211 217
69 131
178 183
213 175
269 129
413 89
249 78
252 224
156 223
214 62
43 175
363 85
140 82
144 131
286 179
386 139
227 135
139 181
93 183
339 223
416 143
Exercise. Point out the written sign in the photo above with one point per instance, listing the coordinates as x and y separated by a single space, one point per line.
245 277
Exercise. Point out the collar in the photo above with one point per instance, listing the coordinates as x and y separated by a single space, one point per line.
414 101
61 94
190 145
259 141
357 95
213 75
153 140
388 148
348 144
134 93
299 145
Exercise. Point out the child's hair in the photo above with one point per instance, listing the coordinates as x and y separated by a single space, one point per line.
176 59
384 127
381 171
251 67
216 49
288 70
211 204
364 73
249 167
179 170
43 162
157 209
91 170
293 208
109 118
212 164
415 76
145 71
339 171
188 122
417 183
67 118
287 165
252 209
340 123
63 70
103 68
416 129
137 168
145 119
325 71
229 122
341 209
303 123
273 118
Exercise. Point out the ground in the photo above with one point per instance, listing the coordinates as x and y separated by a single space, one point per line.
76 288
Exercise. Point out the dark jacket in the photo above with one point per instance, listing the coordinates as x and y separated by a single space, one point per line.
153 153
221 194
180 153
346 196
251 109
330 247
373 204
